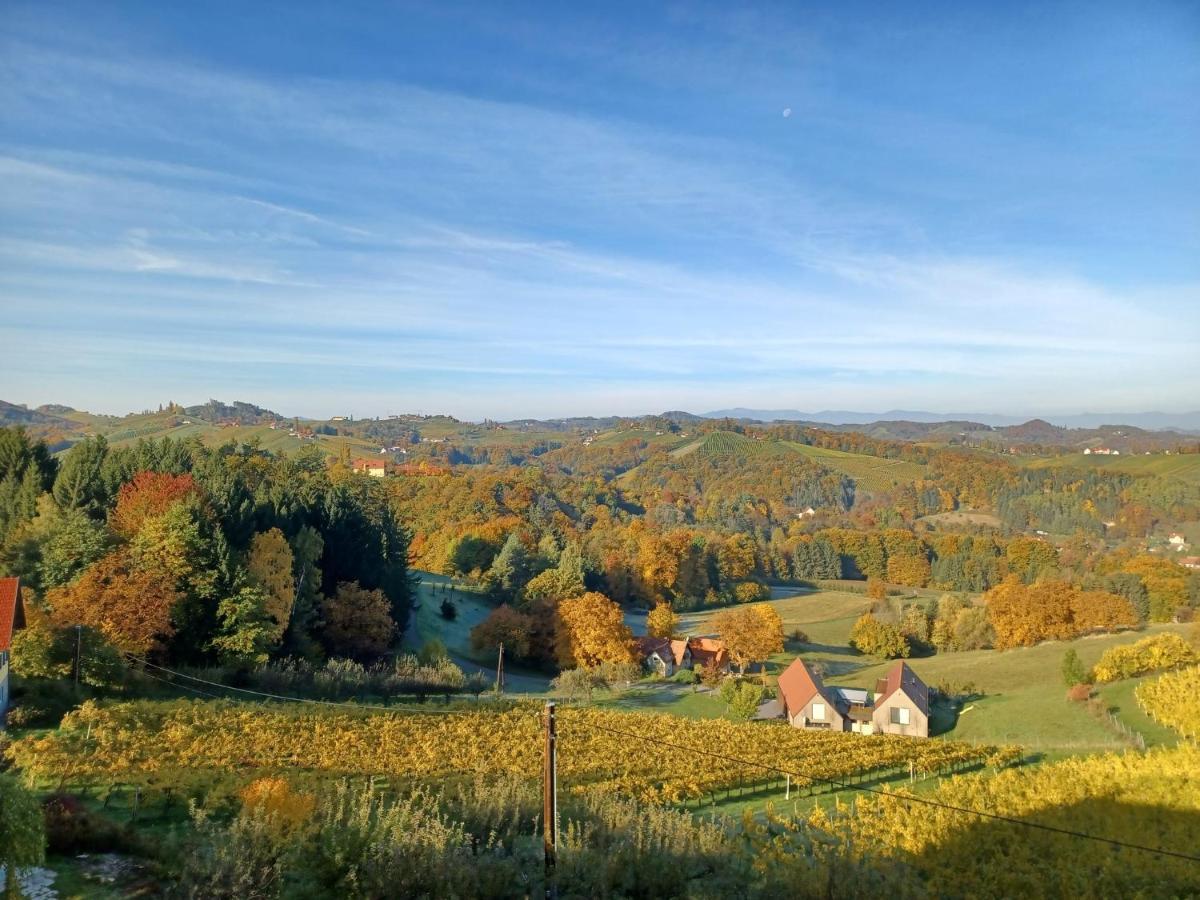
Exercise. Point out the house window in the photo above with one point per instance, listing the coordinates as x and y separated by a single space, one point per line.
899 715
819 711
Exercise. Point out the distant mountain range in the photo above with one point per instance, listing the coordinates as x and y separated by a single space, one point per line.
1187 421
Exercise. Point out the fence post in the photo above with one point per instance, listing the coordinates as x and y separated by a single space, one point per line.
550 801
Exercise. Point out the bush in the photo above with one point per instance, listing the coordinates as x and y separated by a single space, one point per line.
685 676
1079 693
449 610
1073 672
72 828
40 704
799 637
22 827
876 638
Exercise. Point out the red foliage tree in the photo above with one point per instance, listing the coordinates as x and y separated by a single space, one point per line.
149 494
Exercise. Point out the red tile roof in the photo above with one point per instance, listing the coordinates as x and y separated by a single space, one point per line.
798 684
12 614
706 650
369 464
648 645
679 649
901 676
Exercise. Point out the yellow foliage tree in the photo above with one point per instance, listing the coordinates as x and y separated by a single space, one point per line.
661 621
270 567
592 630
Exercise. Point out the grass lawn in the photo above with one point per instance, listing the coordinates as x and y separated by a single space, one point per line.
1119 698
1024 698
666 697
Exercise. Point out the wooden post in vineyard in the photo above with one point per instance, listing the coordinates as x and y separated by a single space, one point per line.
550 800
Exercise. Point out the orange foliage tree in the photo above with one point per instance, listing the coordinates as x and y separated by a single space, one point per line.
148 495
507 626
358 622
661 621
128 605
751 633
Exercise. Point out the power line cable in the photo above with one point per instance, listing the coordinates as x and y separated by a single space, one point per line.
907 798
336 703
184 687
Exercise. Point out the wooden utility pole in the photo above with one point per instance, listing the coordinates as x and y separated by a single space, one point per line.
78 648
550 800
500 669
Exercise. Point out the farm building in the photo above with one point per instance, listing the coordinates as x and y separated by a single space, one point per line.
12 617
376 468
666 657
900 704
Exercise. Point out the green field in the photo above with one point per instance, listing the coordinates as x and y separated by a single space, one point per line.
1185 467
427 623
1024 696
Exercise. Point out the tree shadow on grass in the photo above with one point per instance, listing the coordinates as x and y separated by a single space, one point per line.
994 859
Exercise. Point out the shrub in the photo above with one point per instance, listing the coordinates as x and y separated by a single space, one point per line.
22 827
449 610
1073 672
876 638
798 636
685 676
40 704
1079 693
750 592
72 828
274 798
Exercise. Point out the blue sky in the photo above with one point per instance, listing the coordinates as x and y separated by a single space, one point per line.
514 210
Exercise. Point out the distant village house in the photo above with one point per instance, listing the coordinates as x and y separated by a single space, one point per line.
376 468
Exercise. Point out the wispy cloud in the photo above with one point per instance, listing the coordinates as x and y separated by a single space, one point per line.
165 217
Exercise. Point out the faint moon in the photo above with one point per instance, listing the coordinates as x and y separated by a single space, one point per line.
787 113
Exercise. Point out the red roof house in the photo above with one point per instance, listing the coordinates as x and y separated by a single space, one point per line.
902 702
807 703
12 616
708 651
12 612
